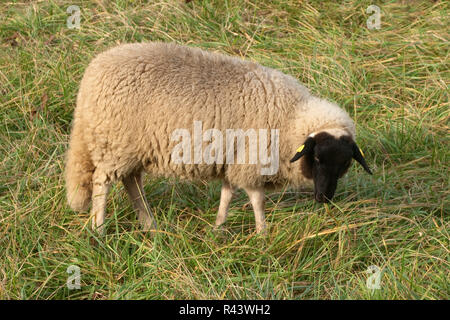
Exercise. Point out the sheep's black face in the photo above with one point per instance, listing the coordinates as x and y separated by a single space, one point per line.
331 159
325 160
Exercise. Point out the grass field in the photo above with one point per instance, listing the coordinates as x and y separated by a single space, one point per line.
393 81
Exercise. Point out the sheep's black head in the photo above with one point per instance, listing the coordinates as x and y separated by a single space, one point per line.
325 160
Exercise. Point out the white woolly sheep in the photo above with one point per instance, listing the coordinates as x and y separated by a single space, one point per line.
136 100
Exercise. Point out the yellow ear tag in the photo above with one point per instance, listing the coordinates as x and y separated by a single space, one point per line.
362 153
300 148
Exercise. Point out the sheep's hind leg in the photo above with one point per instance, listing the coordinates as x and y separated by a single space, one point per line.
256 196
135 190
100 190
226 194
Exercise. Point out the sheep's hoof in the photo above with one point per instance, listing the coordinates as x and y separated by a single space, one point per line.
148 223
220 232
149 226
262 232
219 228
100 231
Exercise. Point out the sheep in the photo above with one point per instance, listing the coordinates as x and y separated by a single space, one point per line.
136 101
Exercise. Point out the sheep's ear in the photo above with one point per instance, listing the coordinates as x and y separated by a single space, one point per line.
305 148
358 155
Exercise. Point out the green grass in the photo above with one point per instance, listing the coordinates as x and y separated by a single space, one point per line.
393 81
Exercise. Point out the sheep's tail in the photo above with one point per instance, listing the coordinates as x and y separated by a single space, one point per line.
79 170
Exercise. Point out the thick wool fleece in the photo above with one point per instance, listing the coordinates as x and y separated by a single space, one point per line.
132 98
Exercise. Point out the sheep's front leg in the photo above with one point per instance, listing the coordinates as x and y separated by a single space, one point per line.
100 190
226 194
135 190
256 196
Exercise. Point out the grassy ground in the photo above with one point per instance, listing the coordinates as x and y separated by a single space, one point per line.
393 81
